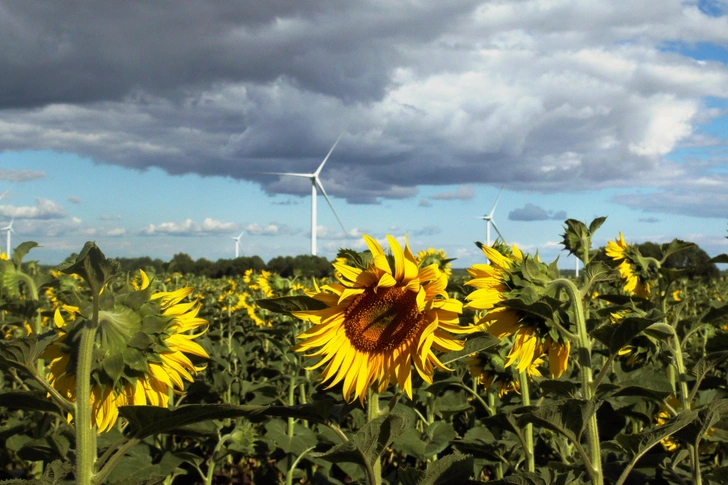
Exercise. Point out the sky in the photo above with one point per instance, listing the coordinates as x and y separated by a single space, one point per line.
145 127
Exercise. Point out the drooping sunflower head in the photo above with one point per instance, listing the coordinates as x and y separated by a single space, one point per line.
143 344
635 270
430 256
503 288
490 370
384 315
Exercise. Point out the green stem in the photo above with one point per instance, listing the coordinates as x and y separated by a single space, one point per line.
373 413
685 401
106 470
211 467
528 432
289 473
85 429
587 383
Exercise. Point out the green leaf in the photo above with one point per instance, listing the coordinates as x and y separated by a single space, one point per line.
675 246
639 444
560 388
302 439
472 345
660 331
721 258
455 469
288 304
379 433
20 252
706 419
48 448
150 420
22 353
568 417
93 267
717 310
628 329
596 224
31 400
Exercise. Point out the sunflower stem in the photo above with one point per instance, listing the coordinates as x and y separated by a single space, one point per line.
587 384
372 414
83 415
528 431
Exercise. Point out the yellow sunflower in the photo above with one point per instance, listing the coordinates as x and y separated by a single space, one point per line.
147 347
379 320
619 250
533 339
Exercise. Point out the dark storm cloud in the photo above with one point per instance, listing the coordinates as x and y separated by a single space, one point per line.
426 93
531 212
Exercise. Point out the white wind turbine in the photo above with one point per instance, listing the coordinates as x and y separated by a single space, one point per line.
315 183
237 244
488 218
9 229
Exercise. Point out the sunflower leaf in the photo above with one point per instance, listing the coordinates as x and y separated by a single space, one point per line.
472 345
23 352
455 469
289 304
378 434
628 329
568 417
31 400
93 267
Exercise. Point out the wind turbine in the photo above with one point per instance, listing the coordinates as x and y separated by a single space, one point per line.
488 218
315 184
9 229
237 244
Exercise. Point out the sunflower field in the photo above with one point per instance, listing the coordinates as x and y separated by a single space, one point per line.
395 370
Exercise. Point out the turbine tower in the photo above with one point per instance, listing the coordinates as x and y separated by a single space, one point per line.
315 185
9 229
237 244
488 218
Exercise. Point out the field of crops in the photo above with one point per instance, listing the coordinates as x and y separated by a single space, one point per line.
392 371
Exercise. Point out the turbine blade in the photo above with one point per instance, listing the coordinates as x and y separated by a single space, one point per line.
6 192
318 170
321 188
496 202
497 230
307 175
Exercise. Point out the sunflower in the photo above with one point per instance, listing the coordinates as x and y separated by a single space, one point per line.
383 315
629 267
533 338
490 370
429 256
142 352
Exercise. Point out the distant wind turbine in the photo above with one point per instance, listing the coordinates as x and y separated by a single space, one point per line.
488 218
237 244
9 229
315 183
577 266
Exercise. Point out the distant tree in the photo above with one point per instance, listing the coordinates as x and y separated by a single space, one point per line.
182 263
302 265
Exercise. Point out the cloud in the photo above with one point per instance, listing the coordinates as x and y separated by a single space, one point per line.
44 209
20 175
110 218
425 203
272 229
74 199
463 192
531 212
532 95
698 197
189 228
649 220
427 231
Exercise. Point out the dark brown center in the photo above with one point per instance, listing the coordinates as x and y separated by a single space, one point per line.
379 322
